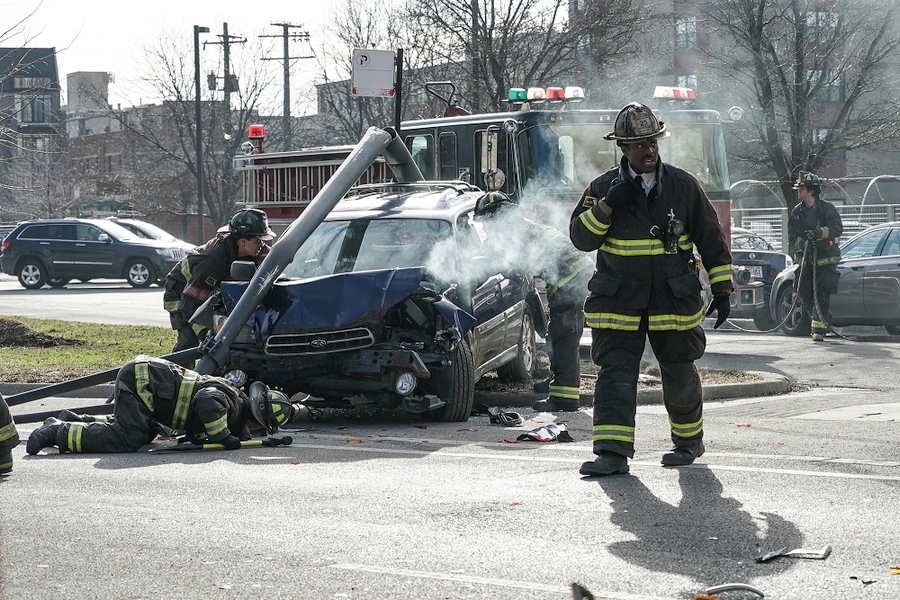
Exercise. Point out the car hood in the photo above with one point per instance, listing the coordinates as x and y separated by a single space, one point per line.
340 301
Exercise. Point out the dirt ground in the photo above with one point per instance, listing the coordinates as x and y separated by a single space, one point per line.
16 335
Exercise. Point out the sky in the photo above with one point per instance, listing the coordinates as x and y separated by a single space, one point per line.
106 36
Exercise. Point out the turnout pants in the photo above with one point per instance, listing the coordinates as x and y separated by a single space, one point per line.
132 427
815 295
9 437
564 347
618 354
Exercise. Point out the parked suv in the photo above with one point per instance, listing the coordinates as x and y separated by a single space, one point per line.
55 251
377 307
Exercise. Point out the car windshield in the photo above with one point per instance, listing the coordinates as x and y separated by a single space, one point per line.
365 244
116 230
149 230
749 241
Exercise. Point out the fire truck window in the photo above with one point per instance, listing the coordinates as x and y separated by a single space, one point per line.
422 149
448 156
565 156
503 161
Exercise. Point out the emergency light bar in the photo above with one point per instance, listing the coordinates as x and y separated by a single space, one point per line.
674 93
519 96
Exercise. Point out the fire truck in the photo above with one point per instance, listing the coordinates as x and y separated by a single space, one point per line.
543 152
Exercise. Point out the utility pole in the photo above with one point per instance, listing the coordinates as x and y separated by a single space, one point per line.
287 36
230 82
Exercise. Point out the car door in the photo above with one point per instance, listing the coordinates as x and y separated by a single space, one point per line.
95 252
850 303
881 280
60 249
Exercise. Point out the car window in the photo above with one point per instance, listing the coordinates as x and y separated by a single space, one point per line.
34 232
87 233
748 241
892 245
863 246
117 231
62 231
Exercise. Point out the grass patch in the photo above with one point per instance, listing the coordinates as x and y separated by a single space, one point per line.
70 349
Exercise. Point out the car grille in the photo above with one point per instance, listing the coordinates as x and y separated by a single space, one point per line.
319 343
178 253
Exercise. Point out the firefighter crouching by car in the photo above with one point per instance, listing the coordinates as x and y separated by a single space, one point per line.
197 277
9 438
543 251
814 227
154 391
643 219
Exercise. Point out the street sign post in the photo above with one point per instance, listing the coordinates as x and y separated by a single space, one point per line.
373 73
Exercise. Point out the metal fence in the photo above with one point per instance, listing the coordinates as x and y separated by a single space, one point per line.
771 223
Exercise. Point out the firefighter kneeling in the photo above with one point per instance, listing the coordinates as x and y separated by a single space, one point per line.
153 391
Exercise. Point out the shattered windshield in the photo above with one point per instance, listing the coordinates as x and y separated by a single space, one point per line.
366 244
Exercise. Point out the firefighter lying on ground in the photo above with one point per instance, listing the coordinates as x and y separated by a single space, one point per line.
153 391
815 225
9 438
197 276
521 245
644 218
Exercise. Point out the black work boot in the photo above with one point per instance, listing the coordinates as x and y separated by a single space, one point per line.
5 462
72 417
683 455
44 436
606 463
553 404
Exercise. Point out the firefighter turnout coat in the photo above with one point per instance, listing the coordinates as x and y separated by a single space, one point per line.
152 391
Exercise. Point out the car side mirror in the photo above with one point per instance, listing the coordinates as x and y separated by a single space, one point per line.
103 237
243 270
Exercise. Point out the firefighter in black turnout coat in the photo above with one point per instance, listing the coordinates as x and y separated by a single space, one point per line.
814 227
151 391
644 218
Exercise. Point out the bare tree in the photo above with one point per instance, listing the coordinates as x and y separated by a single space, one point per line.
818 79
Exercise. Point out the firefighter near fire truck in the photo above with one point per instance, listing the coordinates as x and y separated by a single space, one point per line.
523 245
153 391
198 275
643 219
814 227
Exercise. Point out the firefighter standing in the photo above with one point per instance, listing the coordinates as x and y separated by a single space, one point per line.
544 252
644 217
9 438
192 281
151 391
814 227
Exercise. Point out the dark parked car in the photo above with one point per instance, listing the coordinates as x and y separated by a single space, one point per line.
868 290
55 251
764 262
149 230
387 304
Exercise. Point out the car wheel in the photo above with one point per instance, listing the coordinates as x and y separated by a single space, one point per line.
521 368
140 274
763 320
795 322
31 275
455 385
892 329
58 283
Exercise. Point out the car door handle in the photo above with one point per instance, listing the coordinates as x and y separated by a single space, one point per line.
856 268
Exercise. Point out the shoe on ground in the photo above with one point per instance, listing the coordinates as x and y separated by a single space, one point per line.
552 404
606 463
683 455
5 462
818 337
44 436
72 417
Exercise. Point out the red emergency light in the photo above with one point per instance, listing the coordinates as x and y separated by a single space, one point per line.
674 93
255 132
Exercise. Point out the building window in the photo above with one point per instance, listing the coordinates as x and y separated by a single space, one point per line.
34 109
30 83
685 32
687 81
820 23
819 134
831 86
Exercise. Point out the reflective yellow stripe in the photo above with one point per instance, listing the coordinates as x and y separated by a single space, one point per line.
7 432
642 247
214 428
172 305
819 324
687 430
615 433
562 391
592 223
185 266
677 322
73 437
720 274
830 260
612 321
183 401
142 382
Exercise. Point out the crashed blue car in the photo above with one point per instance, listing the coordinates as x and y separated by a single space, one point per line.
389 304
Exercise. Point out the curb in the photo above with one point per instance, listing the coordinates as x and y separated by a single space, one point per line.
769 384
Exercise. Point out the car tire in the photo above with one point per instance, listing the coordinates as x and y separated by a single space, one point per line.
32 275
455 385
140 273
892 329
763 320
521 368
798 323
58 283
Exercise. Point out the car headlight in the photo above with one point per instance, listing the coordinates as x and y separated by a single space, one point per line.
173 253
405 383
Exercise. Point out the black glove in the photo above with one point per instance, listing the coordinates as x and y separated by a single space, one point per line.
231 443
810 235
722 306
618 197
